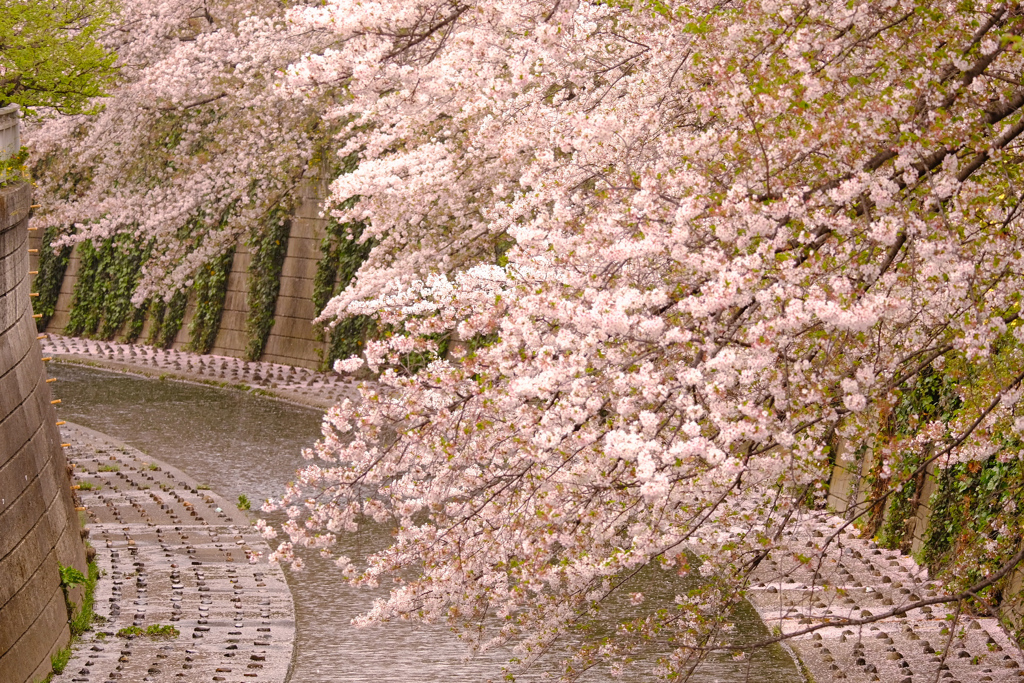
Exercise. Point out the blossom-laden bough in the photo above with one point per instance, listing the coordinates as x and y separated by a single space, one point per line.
740 232
197 143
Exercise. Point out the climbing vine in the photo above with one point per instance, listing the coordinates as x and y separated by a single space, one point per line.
136 323
932 397
268 245
108 273
81 315
896 531
123 276
166 320
342 254
211 288
976 520
53 264
173 316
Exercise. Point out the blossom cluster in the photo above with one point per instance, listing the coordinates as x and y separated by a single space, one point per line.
196 144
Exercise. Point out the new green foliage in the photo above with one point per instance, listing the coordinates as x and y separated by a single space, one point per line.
107 275
211 288
932 398
14 169
50 56
342 254
171 318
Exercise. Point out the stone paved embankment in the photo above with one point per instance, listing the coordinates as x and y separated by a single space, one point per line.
856 580
299 385
173 555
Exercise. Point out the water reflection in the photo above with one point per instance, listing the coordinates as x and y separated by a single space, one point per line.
243 444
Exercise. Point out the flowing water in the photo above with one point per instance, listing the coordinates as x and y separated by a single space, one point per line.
240 444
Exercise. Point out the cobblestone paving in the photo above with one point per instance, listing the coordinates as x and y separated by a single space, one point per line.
172 554
858 580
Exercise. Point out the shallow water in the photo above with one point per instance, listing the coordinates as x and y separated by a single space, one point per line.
243 444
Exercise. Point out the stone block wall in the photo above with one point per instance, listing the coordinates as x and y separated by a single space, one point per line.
39 524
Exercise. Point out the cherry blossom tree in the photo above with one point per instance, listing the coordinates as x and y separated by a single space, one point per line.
197 143
638 267
641 267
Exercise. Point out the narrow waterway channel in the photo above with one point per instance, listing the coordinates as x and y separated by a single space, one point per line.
239 444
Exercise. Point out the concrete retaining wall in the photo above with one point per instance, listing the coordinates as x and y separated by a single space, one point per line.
40 529
293 339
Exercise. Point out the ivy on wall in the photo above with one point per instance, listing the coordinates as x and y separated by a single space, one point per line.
268 246
341 256
976 521
211 288
932 397
165 320
897 532
123 276
157 308
53 264
170 323
108 273
975 517
83 299
136 323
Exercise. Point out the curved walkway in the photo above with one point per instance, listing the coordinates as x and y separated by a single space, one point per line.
172 554
300 385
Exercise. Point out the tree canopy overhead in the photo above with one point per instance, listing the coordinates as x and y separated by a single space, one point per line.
52 56
740 232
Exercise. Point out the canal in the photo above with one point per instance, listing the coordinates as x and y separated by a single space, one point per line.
241 444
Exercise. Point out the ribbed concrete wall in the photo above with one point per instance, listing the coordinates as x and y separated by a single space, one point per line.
293 339
38 525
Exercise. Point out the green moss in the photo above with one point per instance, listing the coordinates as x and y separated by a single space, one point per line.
162 631
268 246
